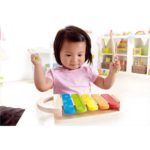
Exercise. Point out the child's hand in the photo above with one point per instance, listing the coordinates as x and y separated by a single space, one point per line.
115 66
35 58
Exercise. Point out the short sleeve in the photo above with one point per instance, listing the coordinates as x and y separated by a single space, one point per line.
92 73
49 74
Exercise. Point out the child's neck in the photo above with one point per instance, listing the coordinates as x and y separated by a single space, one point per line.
70 69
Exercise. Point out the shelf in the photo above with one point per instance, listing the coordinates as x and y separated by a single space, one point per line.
107 54
127 36
133 52
124 55
116 37
140 56
142 36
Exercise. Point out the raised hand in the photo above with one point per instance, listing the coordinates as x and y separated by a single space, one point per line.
35 58
115 66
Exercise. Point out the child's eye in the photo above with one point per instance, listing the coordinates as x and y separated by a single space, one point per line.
68 55
80 55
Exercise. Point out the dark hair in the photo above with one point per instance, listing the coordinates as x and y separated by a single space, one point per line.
72 34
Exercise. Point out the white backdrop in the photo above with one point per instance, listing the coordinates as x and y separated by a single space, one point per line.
30 23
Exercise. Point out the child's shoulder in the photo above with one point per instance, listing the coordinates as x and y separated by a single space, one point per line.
56 69
61 69
87 68
90 70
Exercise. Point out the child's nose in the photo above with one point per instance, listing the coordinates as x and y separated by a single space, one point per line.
74 59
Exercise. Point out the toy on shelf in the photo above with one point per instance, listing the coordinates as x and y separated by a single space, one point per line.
127 33
137 51
120 34
138 62
140 33
123 64
75 105
139 69
122 46
105 72
141 51
106 61
144 50
106 49
139 66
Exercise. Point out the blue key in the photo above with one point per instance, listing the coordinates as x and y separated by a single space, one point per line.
67 104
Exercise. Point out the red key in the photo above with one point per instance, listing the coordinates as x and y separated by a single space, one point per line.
113 104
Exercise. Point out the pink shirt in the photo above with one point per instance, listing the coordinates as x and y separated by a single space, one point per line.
71 81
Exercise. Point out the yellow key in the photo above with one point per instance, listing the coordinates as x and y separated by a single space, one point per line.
91 104
103 104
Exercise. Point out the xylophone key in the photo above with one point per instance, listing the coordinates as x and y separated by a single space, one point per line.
91 104
103 104
113 104
79 104
67 104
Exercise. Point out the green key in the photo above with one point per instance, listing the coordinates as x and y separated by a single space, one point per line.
79 104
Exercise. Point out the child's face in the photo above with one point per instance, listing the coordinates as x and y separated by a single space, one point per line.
72 54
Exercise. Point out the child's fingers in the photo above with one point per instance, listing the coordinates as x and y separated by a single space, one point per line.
117 62
117 66
35 57
115 58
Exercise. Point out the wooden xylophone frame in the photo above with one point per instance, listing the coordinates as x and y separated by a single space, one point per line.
57 108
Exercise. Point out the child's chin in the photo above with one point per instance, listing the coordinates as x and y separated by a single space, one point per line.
73 68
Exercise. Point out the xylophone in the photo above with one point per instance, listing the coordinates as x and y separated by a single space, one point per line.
66 105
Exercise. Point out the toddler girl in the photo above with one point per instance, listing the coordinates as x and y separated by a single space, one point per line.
72 48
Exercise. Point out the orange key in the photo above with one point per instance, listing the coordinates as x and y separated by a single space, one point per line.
103 104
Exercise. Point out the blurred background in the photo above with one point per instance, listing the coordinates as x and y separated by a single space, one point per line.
33 24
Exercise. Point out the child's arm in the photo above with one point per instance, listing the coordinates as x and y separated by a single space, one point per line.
41 82
106 83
